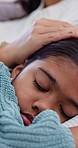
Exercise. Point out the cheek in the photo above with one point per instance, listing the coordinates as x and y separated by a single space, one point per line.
25 95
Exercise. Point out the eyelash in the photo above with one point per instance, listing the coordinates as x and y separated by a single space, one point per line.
63 113
39 87
44 91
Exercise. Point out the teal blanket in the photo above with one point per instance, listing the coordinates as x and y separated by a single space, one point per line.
46 130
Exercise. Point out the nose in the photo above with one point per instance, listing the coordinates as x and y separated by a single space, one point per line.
40 106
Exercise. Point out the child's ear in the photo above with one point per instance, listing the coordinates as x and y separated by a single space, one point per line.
16 71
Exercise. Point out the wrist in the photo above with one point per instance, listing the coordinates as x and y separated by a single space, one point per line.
7 54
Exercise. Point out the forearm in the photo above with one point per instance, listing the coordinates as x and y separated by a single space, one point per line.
15 53
7 55
74 131
35 38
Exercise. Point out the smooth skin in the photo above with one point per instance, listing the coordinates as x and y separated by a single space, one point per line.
51 2
42 32
47 84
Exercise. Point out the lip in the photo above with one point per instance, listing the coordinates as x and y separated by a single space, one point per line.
27 118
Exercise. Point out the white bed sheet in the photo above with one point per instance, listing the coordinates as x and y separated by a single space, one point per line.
66 10
72 122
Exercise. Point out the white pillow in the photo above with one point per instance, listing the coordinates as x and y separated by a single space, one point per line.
72 122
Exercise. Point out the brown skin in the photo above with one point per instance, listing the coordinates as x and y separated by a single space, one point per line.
44 31
33 100
51 2
74 131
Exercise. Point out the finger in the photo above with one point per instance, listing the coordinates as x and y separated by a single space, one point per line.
50 23
44 30
50 37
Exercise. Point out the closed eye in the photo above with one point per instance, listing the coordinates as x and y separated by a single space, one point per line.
39 87
64 114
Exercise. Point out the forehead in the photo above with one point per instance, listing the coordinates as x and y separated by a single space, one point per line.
66 74
61 64
63 70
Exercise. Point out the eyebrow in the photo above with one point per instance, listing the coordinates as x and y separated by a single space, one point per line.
70 100
49 76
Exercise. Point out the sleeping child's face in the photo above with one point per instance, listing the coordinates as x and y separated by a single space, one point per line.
47 84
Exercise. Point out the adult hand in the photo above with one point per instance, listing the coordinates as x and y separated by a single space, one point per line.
46 31
43 32
39 34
